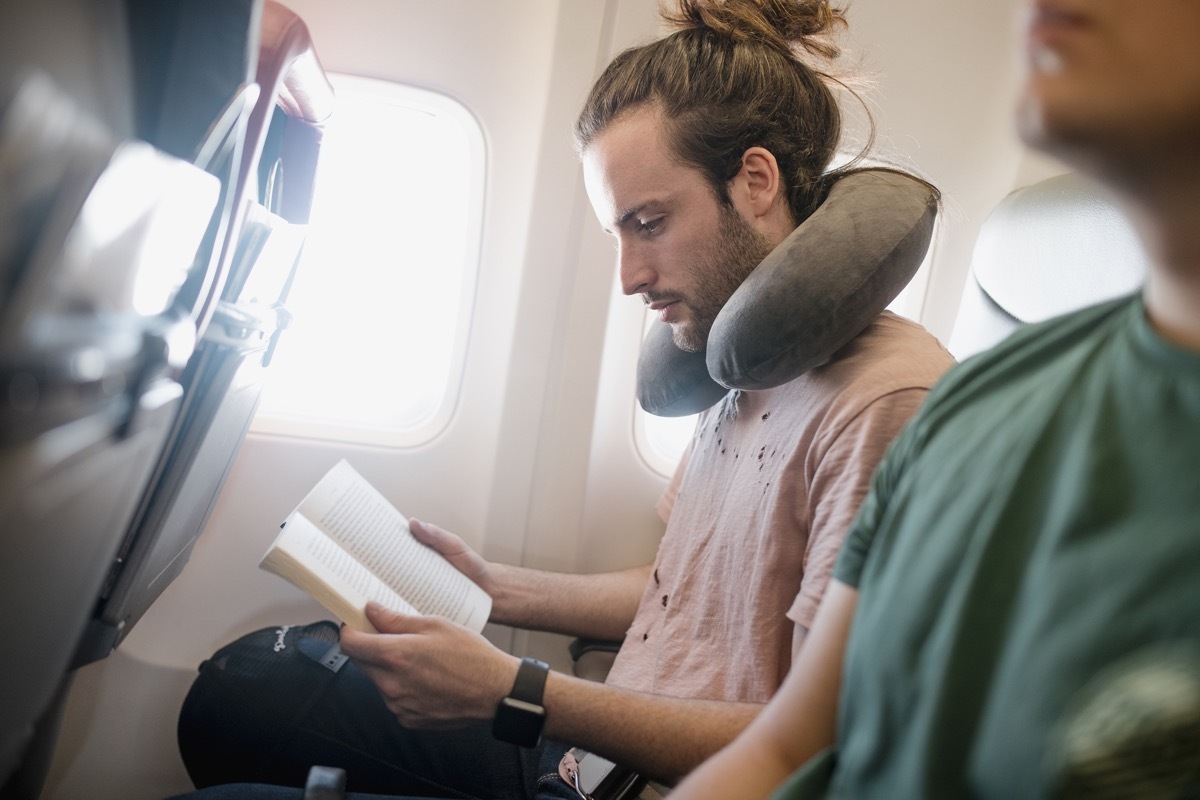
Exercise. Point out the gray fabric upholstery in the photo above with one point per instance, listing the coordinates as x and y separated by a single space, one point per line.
1046 249
670 382
815 292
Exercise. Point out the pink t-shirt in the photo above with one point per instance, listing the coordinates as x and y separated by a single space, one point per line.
757 512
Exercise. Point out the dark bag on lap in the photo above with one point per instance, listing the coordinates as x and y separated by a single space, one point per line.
236 704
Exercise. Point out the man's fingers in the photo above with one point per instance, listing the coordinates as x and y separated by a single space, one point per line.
430 535
363 646
451 547
386 620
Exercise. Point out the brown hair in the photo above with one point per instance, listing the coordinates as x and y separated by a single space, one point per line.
733 76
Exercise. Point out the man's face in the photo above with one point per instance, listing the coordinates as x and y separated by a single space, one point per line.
677 245
1108 82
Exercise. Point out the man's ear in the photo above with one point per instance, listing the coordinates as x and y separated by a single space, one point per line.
756 186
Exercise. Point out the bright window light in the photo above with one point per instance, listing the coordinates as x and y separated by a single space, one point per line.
383 295
662 440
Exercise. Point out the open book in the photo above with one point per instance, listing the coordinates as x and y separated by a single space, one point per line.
346 544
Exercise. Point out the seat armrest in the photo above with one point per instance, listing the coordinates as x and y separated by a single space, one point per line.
592 658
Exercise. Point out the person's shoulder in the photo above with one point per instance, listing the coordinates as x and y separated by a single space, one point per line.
1035 347
893 353
892 361
891 332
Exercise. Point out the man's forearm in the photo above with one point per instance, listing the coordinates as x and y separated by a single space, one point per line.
598 606
661 737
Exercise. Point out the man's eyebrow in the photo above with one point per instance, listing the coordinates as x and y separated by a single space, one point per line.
624 217
629 214
632 212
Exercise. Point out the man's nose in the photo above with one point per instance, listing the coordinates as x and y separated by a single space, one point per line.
636 274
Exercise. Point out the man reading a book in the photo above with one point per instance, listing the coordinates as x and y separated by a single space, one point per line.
702 152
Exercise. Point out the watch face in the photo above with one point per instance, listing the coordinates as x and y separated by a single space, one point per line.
518 722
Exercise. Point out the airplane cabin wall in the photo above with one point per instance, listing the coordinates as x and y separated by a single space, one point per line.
537 465
945 83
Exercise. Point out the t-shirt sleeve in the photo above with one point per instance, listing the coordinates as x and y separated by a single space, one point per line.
853 557
841 480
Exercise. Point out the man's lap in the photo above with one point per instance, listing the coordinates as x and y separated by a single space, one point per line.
350 727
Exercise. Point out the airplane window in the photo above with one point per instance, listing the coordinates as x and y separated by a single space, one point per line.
383 295
662 440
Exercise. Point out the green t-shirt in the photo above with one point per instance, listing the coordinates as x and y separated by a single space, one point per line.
1028 566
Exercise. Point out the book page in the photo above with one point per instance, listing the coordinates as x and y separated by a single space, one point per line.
315 563
354 514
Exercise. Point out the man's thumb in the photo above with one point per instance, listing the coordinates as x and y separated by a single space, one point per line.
386 620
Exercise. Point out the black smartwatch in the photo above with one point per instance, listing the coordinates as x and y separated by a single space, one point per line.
520 716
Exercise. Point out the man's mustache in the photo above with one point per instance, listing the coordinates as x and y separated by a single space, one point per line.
659 297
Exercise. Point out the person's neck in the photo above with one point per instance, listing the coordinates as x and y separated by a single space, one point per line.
1166 213
1173 306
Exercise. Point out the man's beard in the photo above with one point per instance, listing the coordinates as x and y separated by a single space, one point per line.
733 253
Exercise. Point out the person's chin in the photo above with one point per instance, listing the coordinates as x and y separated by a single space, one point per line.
1044 118
686 337
1062 131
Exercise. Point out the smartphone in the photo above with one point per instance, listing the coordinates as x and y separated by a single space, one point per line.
601 779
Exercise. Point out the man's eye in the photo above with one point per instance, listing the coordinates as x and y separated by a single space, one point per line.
649 226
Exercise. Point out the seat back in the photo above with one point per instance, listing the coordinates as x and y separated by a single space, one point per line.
287 132
89 352
102 238
223 380
193 69
1047 249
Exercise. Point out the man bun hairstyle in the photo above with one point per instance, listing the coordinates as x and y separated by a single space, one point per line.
783 24
735 74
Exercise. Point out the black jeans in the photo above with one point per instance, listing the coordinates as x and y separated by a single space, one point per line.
351 728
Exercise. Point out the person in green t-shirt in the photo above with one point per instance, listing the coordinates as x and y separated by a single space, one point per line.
1017 610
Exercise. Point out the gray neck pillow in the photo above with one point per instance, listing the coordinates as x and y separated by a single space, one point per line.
821 287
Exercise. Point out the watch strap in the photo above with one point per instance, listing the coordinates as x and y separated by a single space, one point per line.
531 681
520 715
